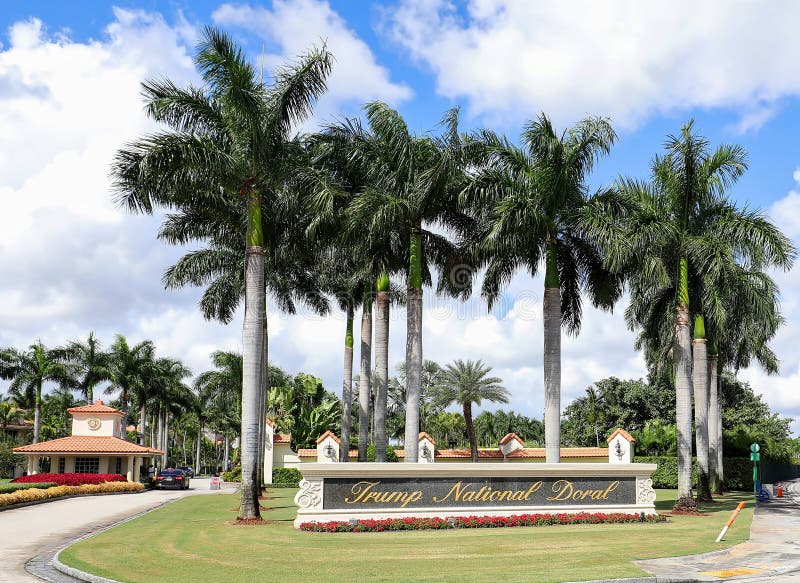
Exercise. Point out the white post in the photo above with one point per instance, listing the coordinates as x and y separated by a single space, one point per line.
511 442
620 447
328 448
427 449
136 464
269 451
129 475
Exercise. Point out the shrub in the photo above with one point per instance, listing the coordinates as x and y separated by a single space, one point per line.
8 459
6 488
738 472
71 479
412 523
391 456
288 476
233 475
36 494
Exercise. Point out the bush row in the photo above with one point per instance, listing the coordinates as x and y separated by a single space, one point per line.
392 524
6 488
738 472
286 476
36 494
71 479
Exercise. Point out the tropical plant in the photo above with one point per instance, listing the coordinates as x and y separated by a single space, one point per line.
228 143
683 240
89 364
411 186
130 369
29 372
465 384
533 204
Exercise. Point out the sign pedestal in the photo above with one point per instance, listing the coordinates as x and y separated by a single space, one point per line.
391 490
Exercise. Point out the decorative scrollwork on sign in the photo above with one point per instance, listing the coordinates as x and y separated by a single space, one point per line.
310 495
646 494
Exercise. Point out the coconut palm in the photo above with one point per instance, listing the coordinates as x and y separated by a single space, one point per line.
684 241
468 383
89 363
412 186
229 142
130 369
29 371
533 204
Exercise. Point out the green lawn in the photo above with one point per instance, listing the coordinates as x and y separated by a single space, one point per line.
191 540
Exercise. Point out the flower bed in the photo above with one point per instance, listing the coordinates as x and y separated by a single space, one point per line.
390 524
71 479
38 494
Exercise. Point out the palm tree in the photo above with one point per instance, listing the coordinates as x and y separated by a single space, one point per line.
533 203
130 370
466 383
411 187
594 410
684 240
29 371
228 143
90 365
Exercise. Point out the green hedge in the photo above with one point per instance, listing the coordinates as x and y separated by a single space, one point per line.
286 476
233 475
7 488
391 456
738 472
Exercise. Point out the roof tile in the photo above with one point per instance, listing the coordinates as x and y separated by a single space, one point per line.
87 444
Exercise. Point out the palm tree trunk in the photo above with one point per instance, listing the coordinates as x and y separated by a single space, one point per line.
124 422
89 395
413 347
347 388
700 386
252 355
160 429
364 378
166 439
682 356
552 358
262 402
473 442
227 457
713 419
37 414
183 446
717 386
142 419
381 365
197 453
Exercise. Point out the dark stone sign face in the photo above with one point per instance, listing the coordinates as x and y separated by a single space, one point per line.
393 493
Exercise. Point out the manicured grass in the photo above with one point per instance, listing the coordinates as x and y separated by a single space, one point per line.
191 540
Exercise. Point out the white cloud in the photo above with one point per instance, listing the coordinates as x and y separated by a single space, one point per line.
629 60
296 25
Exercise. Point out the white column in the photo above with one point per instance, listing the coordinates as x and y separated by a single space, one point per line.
136 464
30 464
35 464
129 475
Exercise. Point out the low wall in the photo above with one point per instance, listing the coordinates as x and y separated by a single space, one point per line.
381 490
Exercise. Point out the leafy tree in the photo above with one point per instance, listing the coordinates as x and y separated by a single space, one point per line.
533 204
492 426
465 384
130 369
89 365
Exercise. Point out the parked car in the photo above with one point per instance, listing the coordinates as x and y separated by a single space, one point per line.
187 470
172 478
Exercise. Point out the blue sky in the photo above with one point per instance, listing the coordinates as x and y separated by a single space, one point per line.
69 75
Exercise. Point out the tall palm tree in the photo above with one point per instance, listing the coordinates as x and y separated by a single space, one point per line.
411 187
90 365
684 240
29 371
466 383
130 370
229 142
533 203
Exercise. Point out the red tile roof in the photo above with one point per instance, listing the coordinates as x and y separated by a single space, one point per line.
509 436
539 452
313 453
623 433
423 435
528 452
87 444
283 438
97 407
326 434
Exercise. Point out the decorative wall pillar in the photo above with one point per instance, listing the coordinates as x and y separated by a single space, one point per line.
427 449
510 443
328 448
620 447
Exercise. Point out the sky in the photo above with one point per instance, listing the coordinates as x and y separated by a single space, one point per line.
72 262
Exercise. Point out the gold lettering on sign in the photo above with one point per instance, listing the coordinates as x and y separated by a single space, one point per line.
364 492
564 490
461 492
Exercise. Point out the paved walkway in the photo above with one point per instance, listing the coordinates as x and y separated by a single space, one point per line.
771 554
37 530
